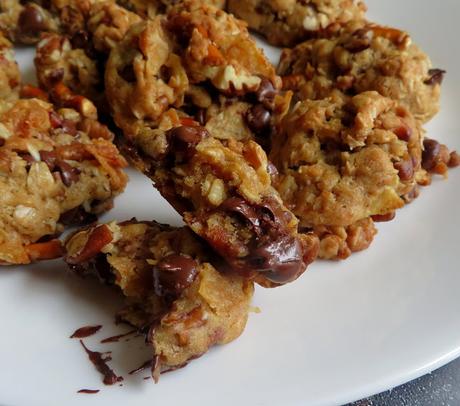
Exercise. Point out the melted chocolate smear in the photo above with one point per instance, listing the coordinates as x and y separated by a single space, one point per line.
89 391
115 339
100 362
86 331
143 367
173 274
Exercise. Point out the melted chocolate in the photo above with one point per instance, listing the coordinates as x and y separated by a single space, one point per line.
436 77
89 391
266 92
258 119
100 362
240 206
280 261
115 339
86 331
173 274
146 365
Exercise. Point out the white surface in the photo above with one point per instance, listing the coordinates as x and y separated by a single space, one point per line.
342 332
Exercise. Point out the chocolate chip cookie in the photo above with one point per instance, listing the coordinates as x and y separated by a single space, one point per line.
176 293
344 160
58 167
288 22
364 57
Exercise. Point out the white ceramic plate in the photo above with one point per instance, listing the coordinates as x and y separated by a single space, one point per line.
344 331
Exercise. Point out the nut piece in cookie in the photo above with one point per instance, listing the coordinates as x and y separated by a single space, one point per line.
343 160
58 167
288 22
188 61
175 292
362 58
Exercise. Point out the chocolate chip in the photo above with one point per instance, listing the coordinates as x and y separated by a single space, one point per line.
128 74
430 157
31 20
247 212
404 133
184 139
200 116
77 216
258 118
383 218
436 76
173 274
405 170
279 260
266 92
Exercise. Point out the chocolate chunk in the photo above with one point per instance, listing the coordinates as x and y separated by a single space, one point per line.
184 139
430 157
173 274
405 170
77 216
436 77
280 261
31 20
258 118
127 73
266 92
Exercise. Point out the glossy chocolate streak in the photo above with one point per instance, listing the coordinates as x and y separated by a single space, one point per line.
86 331
116 338
173 274
276 253
89 391
146 365
100 362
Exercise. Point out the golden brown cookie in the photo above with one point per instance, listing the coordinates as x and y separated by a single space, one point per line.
364 57
288 22
175 292
58 167
344 160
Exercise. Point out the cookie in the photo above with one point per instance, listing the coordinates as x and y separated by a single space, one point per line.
175 292
188 61
362 58
78 61
344 160
288 22
152 8
58 167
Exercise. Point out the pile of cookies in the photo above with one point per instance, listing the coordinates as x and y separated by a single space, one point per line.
270 168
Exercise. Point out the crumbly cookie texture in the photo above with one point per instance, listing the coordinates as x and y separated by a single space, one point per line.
288 22
201 61
10 77
78 61
364 57
347 159
174 291
152 8
57 167
223 191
